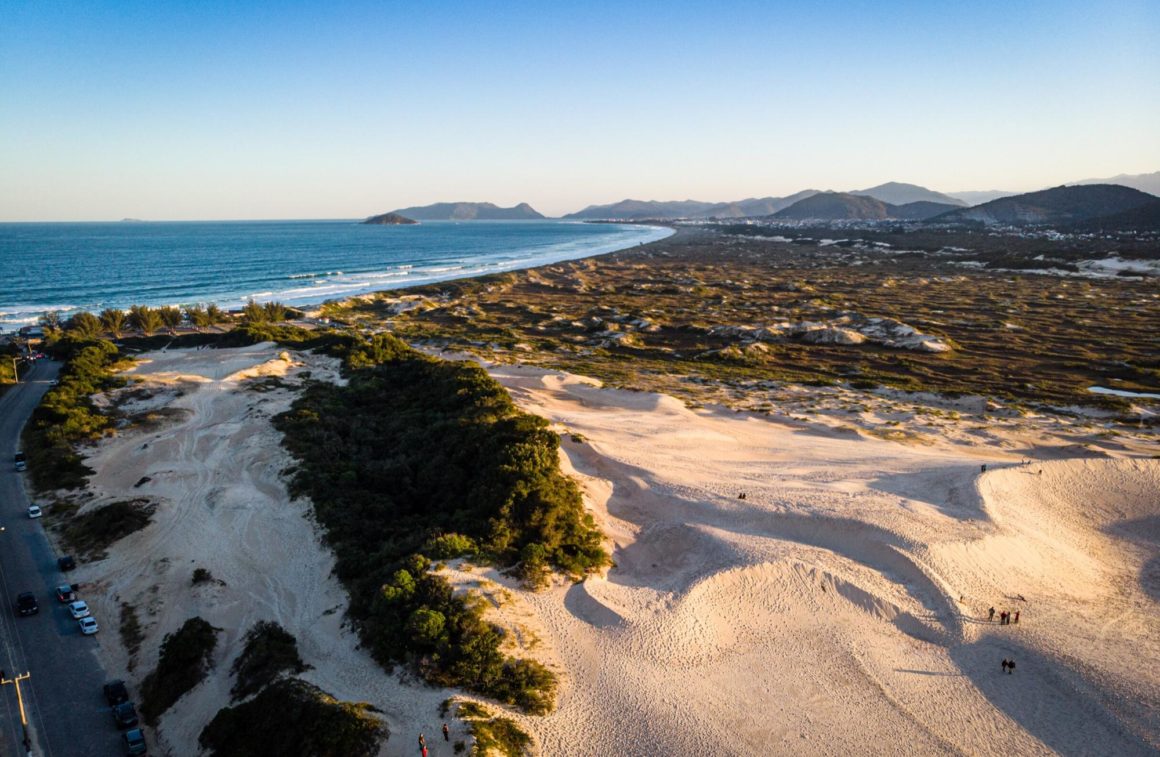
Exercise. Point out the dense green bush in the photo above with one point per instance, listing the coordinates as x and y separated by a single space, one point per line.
90 534
66 415
418 456
186 657
270 652
292 718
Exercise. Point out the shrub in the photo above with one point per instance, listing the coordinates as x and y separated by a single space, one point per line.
418 458
90 534
186 657
201 576
292 718
270 652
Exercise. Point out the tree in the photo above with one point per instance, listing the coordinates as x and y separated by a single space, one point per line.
196 315
276 312
254 313
144 319
113 321
215 314
84 325
171 317
50 320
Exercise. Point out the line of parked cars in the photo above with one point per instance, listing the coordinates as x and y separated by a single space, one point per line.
125 717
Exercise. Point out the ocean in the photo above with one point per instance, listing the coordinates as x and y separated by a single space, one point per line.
92 266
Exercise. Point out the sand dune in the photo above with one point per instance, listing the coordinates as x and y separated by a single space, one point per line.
841 607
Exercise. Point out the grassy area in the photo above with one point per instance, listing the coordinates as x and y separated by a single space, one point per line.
651 318
418 455
131 632
493 735
292 718
88 536
185 659
270 653
67 416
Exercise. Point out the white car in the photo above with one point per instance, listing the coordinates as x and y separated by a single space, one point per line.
78 610
34 511
88 626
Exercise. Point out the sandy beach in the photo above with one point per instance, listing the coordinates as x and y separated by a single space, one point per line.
841 606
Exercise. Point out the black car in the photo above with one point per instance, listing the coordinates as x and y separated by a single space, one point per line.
21 461
26 604
125 715
134 741
116 693
66 563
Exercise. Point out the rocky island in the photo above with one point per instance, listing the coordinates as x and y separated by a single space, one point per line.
389 219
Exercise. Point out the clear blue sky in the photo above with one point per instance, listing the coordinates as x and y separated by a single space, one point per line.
241 109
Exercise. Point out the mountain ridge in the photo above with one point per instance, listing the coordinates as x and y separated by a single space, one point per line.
469 211
1056 206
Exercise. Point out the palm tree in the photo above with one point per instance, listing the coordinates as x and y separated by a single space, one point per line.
113 321
84 325
171 317
144 319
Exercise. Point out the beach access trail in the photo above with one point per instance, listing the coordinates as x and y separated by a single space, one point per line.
841 606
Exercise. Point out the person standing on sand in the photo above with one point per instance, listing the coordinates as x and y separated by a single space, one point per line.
423 744
1010 667
991 615
1016 616
1004 664
983 468
446 733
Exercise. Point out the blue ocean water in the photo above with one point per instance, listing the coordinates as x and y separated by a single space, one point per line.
91 266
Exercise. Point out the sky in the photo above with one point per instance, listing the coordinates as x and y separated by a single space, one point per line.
256 110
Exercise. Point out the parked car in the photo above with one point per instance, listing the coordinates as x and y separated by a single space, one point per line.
125 715
116 692
21 461
78 610
66 593
66 563
88 625
134 742
26 604
34 511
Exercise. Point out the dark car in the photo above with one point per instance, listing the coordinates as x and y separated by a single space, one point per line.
66 563
116 693
66 593
21 461
26 604
134 741
125 715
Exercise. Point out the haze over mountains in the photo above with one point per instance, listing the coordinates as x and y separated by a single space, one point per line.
1060 206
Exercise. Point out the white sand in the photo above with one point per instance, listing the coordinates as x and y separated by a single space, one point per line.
820 615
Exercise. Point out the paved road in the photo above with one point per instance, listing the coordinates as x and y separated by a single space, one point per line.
66 710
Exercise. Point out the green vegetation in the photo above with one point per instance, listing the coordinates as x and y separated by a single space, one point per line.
292 718
131 633
492 734
67 415
418 458
270 653
184 660
90 534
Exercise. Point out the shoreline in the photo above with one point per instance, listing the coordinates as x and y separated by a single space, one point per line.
15 316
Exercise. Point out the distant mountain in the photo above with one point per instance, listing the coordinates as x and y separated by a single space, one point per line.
640 209
1058 206
1145 182
469 211
920 211
1142 218
897 193
978 198
653 209
835 206
389 219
